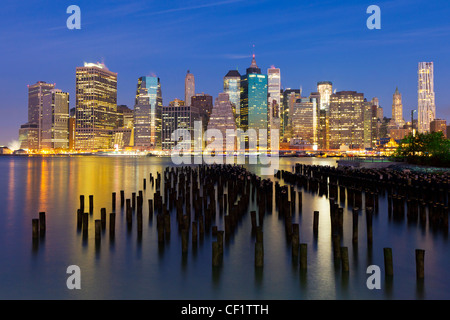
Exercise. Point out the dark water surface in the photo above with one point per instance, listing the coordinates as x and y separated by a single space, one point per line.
128 268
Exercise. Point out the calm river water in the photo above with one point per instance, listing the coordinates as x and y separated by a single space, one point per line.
131 269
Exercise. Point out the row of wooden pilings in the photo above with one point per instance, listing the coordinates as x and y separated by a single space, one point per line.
197 195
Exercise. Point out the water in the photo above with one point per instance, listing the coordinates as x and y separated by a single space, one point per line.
131 269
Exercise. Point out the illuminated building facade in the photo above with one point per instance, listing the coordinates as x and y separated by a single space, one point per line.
189 87
148 113
347 120
253 99
232 86
274 98
29 136
439 125
325 89
177 116
222 118
304 120
370 125
96 106
426 98
55 120
36 94
289 97
397 108
203 103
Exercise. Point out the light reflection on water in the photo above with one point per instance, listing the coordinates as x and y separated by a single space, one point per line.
132 268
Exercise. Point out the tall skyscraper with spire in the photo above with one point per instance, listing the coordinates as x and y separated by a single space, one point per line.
253 98
426 100
189 88
397 108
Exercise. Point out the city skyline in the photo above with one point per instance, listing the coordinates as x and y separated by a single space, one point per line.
375 74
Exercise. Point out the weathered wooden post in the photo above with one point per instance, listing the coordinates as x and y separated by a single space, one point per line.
184 241
114 201
98 229
336 246
344 257
215 254
82 203
316 223
303 256
259 249
112 225
369 214
35 228
79 218
103 217
42 223
220 240
91 204
355 225
85 222
122 198
420 263
194 233
388 265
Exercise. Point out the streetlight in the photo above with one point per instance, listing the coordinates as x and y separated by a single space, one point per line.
412 122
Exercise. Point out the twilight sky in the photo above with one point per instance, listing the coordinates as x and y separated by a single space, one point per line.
309 41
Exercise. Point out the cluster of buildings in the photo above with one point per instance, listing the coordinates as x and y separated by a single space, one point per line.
322 120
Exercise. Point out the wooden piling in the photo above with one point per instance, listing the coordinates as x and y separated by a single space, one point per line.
122 198
114 201
316 223
215 254
98 229
355 225
344 258
420 263
85 222
194 232
369 214
220 240
91 204
35 228
103 217
184 241
303 256
259 248
388 265
82 203
42 223
112 225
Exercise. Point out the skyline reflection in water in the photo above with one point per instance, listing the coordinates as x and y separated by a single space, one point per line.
133 268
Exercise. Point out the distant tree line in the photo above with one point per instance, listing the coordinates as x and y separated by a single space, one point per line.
431 149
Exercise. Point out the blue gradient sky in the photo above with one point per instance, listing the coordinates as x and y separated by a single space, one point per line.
309 41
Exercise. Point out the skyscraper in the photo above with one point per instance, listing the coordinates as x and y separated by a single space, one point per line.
222 118
147 113
253 98
304 120
347 119
232 86
274 97
397 108
289 97
96 106
189 87
204 104
325 89
426 99
55 120
36 94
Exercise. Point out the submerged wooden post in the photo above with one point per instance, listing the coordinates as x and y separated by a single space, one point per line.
388 265
42 223
82 203
35 228
113 201
91 204
98 229
344 257
259 248
420 263
369 213
112 225
355 225
122 198
303 256
85 222
184 241
215 254
103 217
316 223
